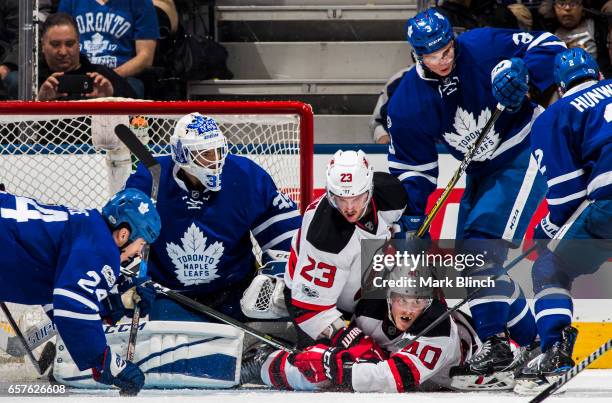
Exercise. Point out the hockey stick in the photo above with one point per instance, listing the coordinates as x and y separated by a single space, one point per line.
402 343
144 155
48 353
35 337
572 372
469 156
199 307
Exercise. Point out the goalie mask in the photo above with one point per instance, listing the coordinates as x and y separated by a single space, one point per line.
200 148
350 183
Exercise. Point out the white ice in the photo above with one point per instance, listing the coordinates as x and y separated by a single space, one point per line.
589 386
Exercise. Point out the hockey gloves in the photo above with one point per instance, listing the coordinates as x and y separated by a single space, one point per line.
114 370
320 363
116 306
145 294
357 344
510 80
407 226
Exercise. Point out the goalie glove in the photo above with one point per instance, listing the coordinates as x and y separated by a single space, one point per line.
114 370
264 298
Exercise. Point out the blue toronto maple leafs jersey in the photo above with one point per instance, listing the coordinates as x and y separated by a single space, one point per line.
454 109
66 261
205 240
107 31
572 142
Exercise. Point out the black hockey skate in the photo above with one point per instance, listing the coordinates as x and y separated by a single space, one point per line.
252 363
547 367
490 368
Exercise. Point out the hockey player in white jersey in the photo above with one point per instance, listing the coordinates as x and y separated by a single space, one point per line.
572 141
448 97
68 261
323 276
365 358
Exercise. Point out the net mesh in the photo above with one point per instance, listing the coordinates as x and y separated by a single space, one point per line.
52 158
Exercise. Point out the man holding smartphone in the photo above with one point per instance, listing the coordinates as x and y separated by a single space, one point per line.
67 74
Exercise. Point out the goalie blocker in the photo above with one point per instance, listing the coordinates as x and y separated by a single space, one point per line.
170 354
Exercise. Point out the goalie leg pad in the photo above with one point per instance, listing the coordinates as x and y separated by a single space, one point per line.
171 354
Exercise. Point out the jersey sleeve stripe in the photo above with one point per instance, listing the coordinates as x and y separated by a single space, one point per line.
407 167
540 39
76 297
308 315
75 315
562 200
407 175
311 307
278 239
275 219
600 181
399 385
565 177
406 371
276 371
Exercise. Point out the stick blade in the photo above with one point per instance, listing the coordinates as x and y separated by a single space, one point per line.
131 141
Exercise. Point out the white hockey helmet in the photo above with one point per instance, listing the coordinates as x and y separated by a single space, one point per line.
349 174
200 148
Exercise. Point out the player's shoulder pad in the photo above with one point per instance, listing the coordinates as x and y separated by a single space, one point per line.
436 309
389 194
329 231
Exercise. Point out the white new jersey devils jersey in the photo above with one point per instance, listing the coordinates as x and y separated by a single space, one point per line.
324 269
425 364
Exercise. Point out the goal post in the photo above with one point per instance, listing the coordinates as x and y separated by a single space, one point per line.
46 148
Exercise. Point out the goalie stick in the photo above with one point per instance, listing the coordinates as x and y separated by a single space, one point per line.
46 357
572 372
196 306
144 155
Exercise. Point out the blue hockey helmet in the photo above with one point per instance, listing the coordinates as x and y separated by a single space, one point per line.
133 207
428 32
574 64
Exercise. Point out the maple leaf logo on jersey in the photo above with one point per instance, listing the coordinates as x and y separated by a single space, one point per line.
195 262
467 131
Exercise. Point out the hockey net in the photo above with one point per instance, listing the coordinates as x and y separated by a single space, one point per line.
47 153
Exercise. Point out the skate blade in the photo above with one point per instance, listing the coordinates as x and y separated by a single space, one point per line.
535 385
496 381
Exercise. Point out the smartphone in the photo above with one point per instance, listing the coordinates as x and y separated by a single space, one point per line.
75 84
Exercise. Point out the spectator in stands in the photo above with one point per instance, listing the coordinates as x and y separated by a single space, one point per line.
119 34
574 29
9 41
378 122
60 49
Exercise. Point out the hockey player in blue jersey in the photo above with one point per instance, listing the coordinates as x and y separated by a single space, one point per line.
210 201
572 141
448 97
68 261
